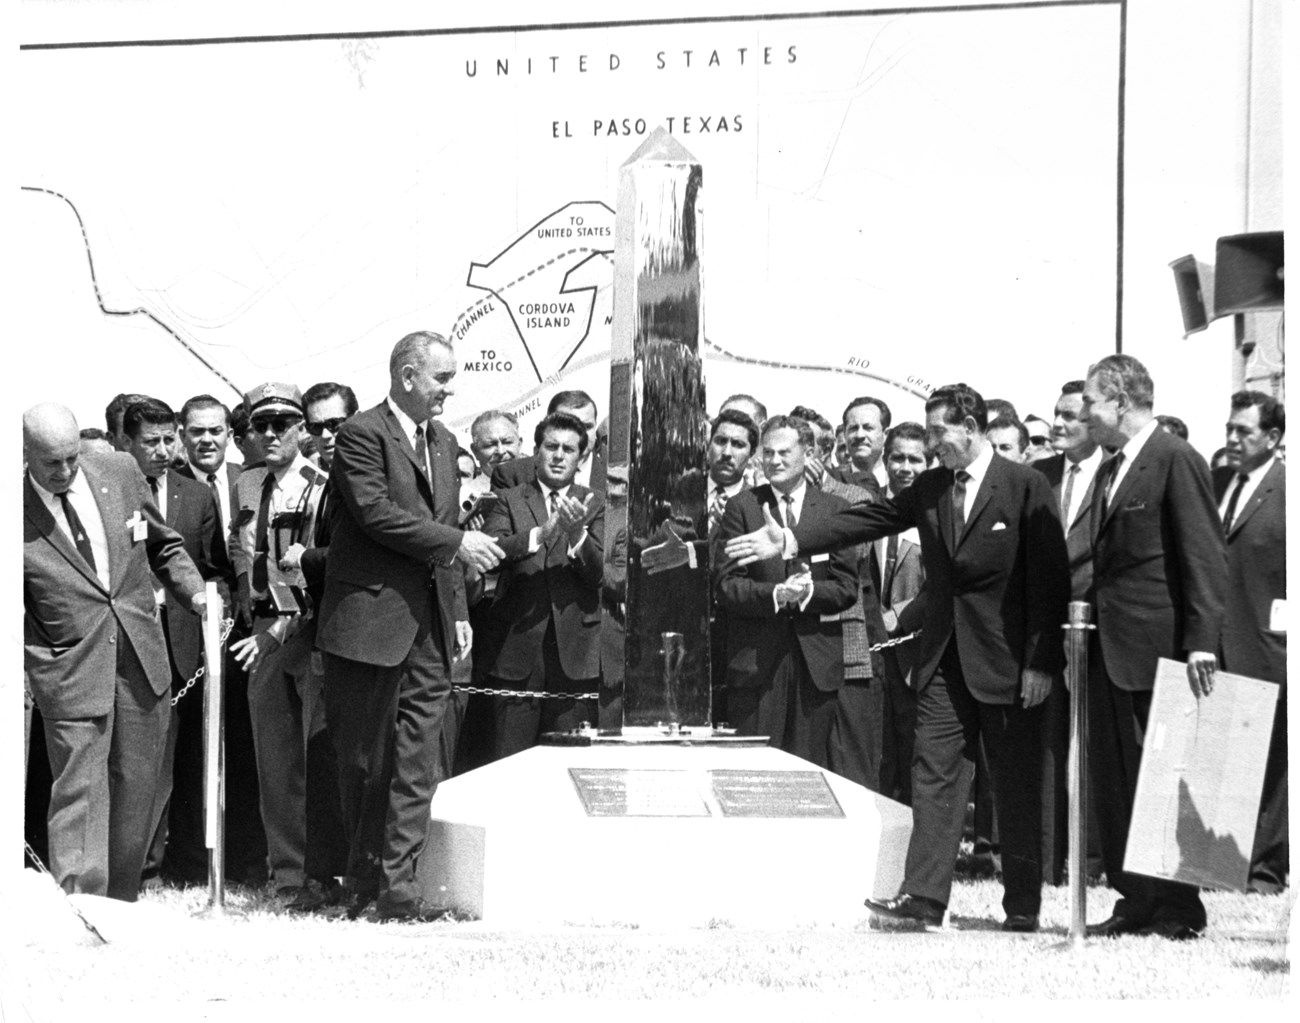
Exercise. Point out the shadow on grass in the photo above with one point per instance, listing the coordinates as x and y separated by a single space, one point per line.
1268 964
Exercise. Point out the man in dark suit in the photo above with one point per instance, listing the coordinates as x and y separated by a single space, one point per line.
393 617
733 442
1159 577
1251 490
149 427
95 658
1072 473
996 582
898 576
544 623
785 659
591 470
865 421
205 430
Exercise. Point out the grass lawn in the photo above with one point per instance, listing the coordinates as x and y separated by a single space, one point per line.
235 965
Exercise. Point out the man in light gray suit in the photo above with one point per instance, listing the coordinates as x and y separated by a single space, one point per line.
94 653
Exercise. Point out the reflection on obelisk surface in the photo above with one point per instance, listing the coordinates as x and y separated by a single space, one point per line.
657 437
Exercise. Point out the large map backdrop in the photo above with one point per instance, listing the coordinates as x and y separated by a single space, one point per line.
891 201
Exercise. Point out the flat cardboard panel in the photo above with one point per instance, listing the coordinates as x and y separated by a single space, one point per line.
1202 774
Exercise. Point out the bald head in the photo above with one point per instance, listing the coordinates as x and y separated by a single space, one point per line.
51 444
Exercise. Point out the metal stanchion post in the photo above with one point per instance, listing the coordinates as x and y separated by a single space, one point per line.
214 754
1076 649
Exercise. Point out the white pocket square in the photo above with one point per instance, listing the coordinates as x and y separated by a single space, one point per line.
999 525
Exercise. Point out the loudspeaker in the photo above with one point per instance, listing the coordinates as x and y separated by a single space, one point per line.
1248 273
1195 283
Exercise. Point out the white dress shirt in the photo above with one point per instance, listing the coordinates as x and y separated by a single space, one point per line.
1253 479
1082 480
1132 448
977 470
87 509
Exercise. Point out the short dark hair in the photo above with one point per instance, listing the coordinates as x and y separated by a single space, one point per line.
1272 413
561 421
92 433
570 399
995 407
151 411
117 408
239 421
466 453
759 407
959 401
736 418
1173 425
1031 418
904 431
886 417
812 415
326 390
1117 373
1073 387
201 401
1004 422
800 426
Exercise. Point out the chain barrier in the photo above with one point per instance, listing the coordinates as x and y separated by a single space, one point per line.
541 695
68 902
226 625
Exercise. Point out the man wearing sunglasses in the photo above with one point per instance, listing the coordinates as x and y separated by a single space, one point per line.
277 508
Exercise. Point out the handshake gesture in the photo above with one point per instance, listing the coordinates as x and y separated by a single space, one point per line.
568 518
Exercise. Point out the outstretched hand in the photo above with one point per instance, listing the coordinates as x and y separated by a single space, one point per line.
767 542
672 553
478 550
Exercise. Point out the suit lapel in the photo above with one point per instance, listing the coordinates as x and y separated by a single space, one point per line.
171 482
404 443
536 503
39 515
987 487
1266 486
112 514
1085 503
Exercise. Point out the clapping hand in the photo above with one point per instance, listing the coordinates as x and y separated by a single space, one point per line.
795 590
569 517
768 542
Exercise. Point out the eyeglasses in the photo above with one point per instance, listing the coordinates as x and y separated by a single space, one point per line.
276 423
1039 440
316 429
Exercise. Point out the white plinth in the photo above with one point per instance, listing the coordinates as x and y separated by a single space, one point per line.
512 843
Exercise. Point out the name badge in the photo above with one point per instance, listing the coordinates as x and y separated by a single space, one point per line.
138 526
819 557
1277 616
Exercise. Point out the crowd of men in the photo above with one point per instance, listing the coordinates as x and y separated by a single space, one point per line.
378 570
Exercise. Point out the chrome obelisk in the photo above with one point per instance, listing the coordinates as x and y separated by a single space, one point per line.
657 437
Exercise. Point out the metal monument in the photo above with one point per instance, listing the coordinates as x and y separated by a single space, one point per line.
658 632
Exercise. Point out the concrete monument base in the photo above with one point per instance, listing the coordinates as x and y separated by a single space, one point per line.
682 835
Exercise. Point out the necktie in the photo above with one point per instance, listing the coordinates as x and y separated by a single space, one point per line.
153 485
790 519
1109 492
422 451
1068 496
891 561
554 500
1231 514
716 507
959 505
261 542
216 497
78 532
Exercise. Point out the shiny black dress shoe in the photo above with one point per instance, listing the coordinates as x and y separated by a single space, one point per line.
909 908
315 897
414 910
1172 930
1115 926
357 902
1020 923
